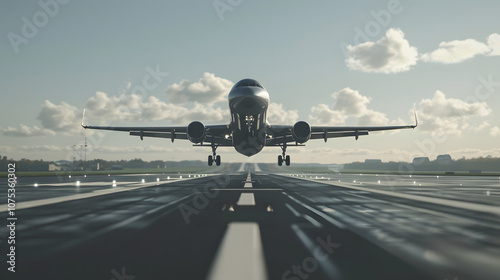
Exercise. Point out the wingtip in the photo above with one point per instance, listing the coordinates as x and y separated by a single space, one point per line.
416 119
83 116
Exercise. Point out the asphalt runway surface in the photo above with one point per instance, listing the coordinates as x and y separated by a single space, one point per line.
250 223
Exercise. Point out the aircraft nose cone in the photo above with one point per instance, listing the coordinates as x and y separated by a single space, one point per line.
248 101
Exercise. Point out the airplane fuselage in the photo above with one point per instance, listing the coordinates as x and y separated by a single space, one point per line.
248 103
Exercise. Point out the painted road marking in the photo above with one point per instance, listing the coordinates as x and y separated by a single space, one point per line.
240 254
247 199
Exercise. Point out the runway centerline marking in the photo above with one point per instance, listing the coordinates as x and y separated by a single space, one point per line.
245 189
247 199
240 254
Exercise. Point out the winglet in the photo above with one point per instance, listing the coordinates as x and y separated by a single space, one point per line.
83 116
416 120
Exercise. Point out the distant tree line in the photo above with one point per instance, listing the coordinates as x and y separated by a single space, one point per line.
474 165
139 163
25 164
41 165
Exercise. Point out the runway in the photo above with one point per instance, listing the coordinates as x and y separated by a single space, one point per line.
251 223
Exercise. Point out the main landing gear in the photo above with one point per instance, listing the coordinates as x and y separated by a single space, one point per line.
283 158
214 158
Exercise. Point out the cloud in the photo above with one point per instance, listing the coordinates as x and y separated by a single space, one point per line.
278 115
350 102
494 44
448 115
456 51
481 126
208 90
459 50
26 131
373 118
391 54
347 103
134 108
322 114
474 153
37 148
494 131
137 108
60 118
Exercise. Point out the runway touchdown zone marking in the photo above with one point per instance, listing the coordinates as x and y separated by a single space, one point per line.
247 199
240 254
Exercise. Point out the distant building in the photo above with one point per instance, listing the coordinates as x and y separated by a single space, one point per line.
373 161
59 165
444 159
116 167
54 167
420 160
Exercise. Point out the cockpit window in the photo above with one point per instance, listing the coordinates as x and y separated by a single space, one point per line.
248 83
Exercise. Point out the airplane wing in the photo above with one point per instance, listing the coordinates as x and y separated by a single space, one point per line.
281 134
216 134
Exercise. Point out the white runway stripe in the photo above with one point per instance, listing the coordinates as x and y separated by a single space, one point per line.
240 255
246 199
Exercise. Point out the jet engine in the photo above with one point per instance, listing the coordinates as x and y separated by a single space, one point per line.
301 132
196 132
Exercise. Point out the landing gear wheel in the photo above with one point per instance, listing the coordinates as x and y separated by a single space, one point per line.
214 157
283 157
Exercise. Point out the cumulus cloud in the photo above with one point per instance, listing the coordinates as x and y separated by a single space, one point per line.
279 115
136 108
63 117
449 115
350 102
208 89
475 153
495 131
391 54
347 103
322 114
26 131
456 51
188 102
494 44
460 50
481 126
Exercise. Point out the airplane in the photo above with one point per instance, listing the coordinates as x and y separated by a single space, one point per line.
249 131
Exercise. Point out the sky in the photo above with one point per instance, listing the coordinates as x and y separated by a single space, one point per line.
324 62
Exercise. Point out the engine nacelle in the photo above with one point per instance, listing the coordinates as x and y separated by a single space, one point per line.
301 132
196 132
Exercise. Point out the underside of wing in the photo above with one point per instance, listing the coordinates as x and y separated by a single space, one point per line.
196 132
301 132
